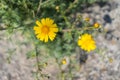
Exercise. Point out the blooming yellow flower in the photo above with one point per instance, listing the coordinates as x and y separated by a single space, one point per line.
46 28
87 19
86 42
96 25
64 61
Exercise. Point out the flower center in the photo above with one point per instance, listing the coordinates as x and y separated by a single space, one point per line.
45 29
87 42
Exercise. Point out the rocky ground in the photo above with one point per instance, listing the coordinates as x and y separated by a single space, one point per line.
102 66
16 66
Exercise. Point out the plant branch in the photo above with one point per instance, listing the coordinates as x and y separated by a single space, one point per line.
85 28
37 58
61 73
37 62
39 70
39 6
2 29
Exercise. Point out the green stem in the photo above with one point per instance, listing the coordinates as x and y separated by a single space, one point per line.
70 69
2 29
38 66
78 29
61 76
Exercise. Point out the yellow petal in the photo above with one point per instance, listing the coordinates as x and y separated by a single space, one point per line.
37 30
51 21
52 36
38 36
43 21
38 23
35 27
46 38
54 25
54 29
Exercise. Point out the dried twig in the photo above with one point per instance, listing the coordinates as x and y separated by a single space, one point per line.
39 6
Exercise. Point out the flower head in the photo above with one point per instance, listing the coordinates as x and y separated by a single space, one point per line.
96 25
111 60
64 61
45 64
46 28
87 19
57 8
86 42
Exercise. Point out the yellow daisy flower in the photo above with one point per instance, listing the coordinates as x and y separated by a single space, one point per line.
86 42
46 28
96 25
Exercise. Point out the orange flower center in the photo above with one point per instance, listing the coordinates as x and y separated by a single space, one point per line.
45 29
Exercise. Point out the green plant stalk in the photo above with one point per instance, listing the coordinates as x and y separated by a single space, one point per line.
39 6
61 76
66 20
77 29
38 66
70 69
2 29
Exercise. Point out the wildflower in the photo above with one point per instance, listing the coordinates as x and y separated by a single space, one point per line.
64 61
57 8
110 60
96 25
87 19
45 64
86 42
46 29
